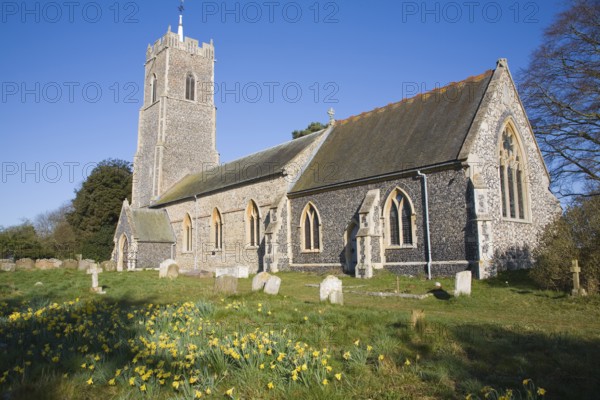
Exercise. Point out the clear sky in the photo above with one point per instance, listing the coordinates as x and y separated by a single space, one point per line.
72 72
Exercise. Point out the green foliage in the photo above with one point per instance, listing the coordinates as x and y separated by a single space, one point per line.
21 241
97 205
312 127
574 236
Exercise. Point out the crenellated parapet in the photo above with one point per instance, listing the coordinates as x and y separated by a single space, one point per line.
189 45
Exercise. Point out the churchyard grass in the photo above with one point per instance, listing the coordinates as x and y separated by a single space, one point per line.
176 339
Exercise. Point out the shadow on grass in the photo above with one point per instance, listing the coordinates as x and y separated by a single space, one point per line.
502 357
440 294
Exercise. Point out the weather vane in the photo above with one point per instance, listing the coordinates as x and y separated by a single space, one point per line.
181 7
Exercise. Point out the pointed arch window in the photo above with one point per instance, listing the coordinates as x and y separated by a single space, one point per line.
217 229
153 89
311 229
253 224
512 175
187 234
400 220
190 87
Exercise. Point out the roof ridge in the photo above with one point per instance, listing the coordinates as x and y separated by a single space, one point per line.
408 100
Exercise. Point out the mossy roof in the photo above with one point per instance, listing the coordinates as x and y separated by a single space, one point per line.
152 226
425 130
269 162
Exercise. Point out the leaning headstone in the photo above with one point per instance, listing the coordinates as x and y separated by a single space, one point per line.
336 297
109 266
226 284
94 271
85 265
259 281
272 285
25 264
163 271
8 266
463 284
329 284
238 271
70 264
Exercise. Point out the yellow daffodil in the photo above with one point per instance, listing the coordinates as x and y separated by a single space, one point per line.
90 381
270 385
338 377
229 392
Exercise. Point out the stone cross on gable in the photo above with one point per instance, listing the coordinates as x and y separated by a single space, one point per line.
94 271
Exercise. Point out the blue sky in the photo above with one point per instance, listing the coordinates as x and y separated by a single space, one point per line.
72 72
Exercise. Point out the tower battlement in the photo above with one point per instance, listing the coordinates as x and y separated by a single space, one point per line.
189 45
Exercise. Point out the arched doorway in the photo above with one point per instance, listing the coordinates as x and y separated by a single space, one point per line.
350 246
123 253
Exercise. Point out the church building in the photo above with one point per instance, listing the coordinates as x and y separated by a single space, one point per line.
446 181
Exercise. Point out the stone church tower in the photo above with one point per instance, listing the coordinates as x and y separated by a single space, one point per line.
176 134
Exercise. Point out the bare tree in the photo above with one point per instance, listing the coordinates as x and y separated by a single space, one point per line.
561 92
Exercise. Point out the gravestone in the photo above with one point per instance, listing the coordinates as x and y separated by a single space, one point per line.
94 271
577 289
7 266
45 264
168 269
272 285
25 264
463 284
259 281
84 265
109 266
226 284
336 297
70 264
329 284
237 271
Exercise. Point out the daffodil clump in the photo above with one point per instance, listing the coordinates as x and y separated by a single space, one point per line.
156 348
531 392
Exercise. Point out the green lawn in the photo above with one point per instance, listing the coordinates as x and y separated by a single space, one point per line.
151 338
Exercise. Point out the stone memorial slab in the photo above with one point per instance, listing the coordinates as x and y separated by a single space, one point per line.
259 281
70 264
237 271
336 297
226 284
463 284
8 267
329 284
272 285
168 269
85 265
109 266
25 264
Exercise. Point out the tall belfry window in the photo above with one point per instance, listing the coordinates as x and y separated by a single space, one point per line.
153 89
190 87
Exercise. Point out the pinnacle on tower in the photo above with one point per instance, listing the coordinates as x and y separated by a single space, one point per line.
180 29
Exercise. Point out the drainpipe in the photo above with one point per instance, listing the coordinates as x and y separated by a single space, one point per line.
427 233
195 245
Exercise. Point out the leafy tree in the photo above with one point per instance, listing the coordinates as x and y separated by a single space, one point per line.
97 206
21 241
574 236
312 127
561 92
